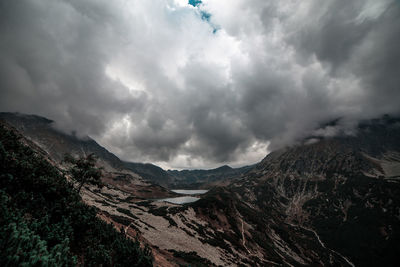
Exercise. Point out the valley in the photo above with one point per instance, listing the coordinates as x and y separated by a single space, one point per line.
200 133
334 202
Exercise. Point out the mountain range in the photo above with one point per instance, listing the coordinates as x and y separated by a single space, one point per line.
57 143
334 201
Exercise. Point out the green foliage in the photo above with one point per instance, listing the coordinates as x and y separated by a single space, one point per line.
21 246
84 170
43 221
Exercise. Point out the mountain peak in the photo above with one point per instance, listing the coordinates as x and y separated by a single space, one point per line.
224 168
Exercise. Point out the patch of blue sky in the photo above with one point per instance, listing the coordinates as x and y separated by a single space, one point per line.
195 2
204 15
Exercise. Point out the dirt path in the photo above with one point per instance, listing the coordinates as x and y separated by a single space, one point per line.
243 237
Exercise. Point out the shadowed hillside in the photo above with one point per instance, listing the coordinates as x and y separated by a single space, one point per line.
343 192
43 220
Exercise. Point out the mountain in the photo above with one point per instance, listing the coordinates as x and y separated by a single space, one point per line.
327 202
333 202
205 178
150 172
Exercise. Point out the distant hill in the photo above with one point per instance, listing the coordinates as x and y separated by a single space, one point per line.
203 178
150 172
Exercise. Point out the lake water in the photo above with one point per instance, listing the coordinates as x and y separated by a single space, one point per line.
189 192
180 200
184 199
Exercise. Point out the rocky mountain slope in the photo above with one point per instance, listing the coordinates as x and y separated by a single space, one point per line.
342 193
43 221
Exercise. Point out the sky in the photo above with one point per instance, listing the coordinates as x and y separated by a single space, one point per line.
198 84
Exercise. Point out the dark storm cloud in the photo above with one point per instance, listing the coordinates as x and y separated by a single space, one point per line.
153 81
357 41
353 39
333 32
380 72
346 55
52 63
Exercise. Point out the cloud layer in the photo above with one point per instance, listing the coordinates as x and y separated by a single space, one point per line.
159 81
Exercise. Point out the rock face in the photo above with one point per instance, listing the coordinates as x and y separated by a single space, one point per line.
334 202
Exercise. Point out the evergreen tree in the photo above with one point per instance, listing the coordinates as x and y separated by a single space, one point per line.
84 170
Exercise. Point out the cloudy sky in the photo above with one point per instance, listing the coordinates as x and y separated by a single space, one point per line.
199 84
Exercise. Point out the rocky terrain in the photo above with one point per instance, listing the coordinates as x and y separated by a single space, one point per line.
330 202
343 191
